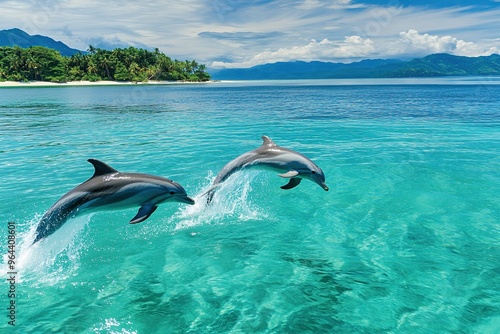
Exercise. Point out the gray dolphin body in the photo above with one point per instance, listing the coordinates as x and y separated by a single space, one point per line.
111 189
290 164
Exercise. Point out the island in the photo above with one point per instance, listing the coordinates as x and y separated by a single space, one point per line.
39 63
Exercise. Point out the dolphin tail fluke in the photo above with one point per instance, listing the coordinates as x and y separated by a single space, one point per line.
210 196
37 238
210 193
292 184
144 212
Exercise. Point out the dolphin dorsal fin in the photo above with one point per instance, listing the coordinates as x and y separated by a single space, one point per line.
268 141
101 168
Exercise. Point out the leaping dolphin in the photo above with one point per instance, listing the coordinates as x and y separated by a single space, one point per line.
290 164
111 189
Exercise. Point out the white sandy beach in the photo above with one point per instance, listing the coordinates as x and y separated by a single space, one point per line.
90 83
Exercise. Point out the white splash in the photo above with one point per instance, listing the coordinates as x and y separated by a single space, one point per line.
53 259
231 199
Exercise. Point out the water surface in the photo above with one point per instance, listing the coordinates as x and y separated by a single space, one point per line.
407 240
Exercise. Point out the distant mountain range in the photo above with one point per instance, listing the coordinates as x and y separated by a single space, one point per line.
440 64
13 37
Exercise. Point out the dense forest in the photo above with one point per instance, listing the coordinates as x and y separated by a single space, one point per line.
130 64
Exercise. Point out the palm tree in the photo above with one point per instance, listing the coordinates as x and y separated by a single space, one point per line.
104 63
91 67
91 50
33 65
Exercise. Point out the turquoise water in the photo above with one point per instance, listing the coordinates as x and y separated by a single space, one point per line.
407 240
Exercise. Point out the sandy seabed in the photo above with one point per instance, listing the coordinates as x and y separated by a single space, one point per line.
90 83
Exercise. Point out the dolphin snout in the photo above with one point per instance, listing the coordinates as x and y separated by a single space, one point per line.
185 199
320 181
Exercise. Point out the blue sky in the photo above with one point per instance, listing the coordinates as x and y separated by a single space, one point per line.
238 33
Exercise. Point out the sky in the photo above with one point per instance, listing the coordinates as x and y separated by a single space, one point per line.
245 33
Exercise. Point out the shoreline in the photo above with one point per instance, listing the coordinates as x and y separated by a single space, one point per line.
13 84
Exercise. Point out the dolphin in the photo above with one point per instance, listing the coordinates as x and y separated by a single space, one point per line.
290 164
111 189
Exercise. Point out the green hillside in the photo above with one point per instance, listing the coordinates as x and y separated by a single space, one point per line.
17 37
430 66
443 64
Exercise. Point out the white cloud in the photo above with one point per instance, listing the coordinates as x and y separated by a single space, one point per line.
423 44
428 43
326 50
313 4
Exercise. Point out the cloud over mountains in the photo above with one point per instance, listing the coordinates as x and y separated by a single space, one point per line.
408 44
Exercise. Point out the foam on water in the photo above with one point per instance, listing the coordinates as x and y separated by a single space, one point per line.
54 258
231 200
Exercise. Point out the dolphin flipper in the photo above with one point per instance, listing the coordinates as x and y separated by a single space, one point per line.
144 212
292 184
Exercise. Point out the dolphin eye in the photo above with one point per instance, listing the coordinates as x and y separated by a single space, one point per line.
314 172
172 193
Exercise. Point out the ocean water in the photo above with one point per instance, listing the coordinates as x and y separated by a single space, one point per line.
407 240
